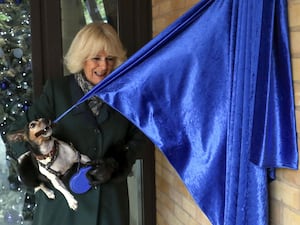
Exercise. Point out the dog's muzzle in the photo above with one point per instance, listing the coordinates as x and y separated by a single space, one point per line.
46 129
41 132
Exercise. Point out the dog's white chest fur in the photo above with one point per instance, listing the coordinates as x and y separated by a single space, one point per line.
65 156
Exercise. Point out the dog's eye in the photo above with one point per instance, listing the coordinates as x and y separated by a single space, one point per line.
32 125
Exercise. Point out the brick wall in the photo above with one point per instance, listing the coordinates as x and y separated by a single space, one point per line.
174 204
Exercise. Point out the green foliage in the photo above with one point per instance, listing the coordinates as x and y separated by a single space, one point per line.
100 9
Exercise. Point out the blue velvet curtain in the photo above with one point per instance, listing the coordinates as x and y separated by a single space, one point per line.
214 93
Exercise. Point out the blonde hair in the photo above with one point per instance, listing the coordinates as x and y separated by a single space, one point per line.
89 41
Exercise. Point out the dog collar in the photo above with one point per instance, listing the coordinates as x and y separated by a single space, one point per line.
52 154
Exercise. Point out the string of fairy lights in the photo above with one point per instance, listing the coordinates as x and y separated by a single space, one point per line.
15 98
15 62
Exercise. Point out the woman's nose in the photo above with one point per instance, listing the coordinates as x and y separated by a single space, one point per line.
102 62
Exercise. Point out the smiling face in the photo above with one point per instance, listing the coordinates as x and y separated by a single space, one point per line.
96 68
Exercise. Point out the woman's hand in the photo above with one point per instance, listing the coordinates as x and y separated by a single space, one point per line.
102 170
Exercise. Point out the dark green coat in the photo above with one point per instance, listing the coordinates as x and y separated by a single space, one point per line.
107 205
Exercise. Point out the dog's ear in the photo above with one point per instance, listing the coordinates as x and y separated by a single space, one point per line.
17 136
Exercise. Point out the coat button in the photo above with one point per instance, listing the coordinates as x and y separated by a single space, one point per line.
97 131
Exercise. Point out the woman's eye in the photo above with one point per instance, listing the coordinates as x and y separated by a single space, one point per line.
110 58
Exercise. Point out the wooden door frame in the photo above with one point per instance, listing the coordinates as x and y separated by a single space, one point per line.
46 42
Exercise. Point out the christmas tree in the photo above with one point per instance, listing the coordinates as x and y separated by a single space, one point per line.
15 62
15 98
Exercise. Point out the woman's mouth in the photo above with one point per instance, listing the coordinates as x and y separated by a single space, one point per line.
99 74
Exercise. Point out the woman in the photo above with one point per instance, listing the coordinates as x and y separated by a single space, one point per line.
93 128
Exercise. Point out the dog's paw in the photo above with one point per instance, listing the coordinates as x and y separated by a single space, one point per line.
50 194
85 159
73 204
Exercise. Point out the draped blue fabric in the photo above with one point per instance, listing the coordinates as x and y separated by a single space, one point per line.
214 93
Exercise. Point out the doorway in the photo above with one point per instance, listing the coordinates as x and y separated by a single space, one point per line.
54 24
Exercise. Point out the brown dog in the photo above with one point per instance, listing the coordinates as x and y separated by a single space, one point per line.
47 159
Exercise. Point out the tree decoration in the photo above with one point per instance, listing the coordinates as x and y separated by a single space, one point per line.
15 61
16 206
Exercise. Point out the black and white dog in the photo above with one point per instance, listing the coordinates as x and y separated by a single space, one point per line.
47 159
